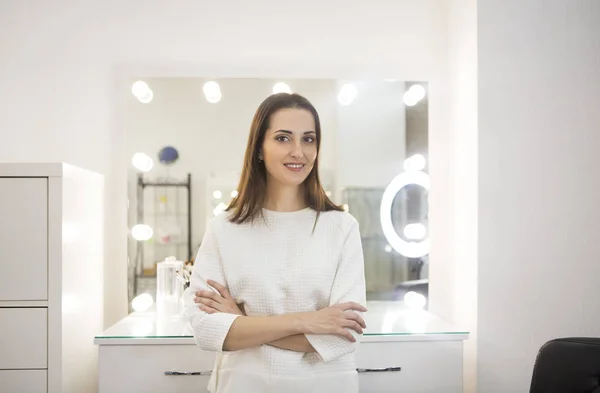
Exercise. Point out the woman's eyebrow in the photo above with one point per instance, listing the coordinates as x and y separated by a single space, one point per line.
290 132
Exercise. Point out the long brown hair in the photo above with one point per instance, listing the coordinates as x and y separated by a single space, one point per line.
252 189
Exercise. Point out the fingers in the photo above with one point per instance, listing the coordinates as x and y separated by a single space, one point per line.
207 309
221 288
355 317
209 303
353 325
210 299
352 306
346 334
206 294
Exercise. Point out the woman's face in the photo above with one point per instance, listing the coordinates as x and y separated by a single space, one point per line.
289 149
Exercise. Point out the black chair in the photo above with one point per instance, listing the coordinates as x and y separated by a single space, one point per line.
567 365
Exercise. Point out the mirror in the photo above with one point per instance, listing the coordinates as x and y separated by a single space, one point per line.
186 138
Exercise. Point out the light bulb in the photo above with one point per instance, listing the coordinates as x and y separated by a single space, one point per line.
417 91
347 94
388 248
214 99
281 87
413 95
212 92
217 194
234 193
142 162
142 232
219 209
415 163
415 300
147 97
409 100
142 302
415 231
142 92
139 88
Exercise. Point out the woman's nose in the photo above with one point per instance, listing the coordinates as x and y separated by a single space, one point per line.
297 151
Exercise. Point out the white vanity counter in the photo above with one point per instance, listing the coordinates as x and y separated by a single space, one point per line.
386 321
141 352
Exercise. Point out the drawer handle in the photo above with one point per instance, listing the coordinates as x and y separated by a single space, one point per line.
176 373
378 370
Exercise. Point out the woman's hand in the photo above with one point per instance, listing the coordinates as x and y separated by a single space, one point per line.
334 320
212 302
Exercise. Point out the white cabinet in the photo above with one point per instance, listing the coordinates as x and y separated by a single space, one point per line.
426 366
23 338
51 268
142 368
142 353
23 381
24 237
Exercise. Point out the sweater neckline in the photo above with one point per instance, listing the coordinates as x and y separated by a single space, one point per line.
291 214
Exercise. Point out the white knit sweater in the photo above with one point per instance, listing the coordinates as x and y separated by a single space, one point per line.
278 266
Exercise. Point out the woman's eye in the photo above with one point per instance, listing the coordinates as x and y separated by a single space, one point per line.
309 139
282 138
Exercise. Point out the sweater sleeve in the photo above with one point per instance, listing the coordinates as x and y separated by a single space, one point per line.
348 286
209 330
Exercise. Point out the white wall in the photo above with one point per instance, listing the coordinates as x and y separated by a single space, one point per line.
461 303
539 89
61 61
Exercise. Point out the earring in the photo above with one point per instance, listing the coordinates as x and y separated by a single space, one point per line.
260 158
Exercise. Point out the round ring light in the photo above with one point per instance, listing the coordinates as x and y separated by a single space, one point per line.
408 249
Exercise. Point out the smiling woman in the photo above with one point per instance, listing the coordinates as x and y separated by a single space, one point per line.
299 279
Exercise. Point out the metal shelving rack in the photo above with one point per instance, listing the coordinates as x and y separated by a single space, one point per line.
142 185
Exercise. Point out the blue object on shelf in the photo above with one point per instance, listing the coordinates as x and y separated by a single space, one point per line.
168 155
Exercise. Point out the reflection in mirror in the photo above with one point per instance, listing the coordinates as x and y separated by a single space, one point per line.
186 139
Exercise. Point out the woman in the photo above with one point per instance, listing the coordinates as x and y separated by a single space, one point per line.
278 285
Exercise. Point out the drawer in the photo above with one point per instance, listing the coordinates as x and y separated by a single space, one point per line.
141 368
23 338
23 381
427 366
23 238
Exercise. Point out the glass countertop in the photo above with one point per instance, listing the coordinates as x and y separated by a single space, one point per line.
383 319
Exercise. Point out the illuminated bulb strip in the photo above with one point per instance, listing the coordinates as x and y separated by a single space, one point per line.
212 92
142 92
141 232
415 163
347 94
415 300
281 87
415 231
413 95
142 162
